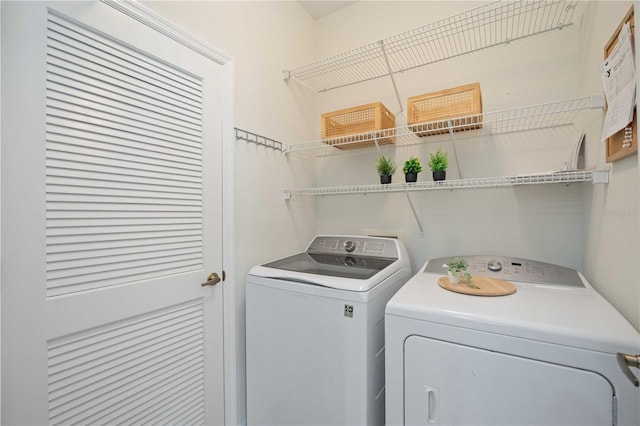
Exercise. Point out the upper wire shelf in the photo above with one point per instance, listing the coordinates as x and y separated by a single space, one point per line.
476 29
547 115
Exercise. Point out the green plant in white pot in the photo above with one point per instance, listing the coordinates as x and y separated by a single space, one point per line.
457 269
386 168
438 164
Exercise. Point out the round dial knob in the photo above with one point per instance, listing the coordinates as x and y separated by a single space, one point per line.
350 261
494 265
349 246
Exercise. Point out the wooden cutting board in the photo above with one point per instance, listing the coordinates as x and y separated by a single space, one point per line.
479 286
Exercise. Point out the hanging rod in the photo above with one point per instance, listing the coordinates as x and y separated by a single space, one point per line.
262 140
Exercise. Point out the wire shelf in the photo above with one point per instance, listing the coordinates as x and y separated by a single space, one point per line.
480 28
595 176
548 115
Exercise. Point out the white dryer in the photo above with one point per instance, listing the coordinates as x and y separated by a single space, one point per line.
544 355
315 332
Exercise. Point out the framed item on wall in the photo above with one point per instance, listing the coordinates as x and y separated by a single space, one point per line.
625 142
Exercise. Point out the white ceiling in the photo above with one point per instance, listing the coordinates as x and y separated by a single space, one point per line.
320 8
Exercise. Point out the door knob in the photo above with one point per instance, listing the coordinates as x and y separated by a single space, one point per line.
212 279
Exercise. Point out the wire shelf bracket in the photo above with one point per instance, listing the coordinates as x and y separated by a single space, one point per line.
415 214
493 24
262 140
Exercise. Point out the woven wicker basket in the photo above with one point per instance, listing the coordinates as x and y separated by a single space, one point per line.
429 114
356 127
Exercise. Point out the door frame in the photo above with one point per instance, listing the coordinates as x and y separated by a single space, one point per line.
230 341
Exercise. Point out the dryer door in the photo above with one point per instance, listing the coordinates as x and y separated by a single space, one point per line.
452 384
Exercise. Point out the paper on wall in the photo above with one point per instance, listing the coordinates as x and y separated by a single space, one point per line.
618 78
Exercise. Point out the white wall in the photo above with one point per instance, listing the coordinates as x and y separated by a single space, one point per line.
611 224
263 38
593 228
543 223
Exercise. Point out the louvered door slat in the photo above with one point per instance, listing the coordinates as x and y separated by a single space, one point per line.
114 365
116 225
101 173
102 402
167 413
73 347
66 77
108 192
70 170
76 242
113 118
80 279
130 207
57 87
74 60
111 379
62 180
70 214
110 253
127 258
119 230
108 248
180 150
75 68
116 278
110 53
119 53
144 392
127 163
100 388
120 370
118 107
81 212
122 200
76 100
93 126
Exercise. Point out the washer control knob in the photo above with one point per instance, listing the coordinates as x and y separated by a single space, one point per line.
494 265
349 246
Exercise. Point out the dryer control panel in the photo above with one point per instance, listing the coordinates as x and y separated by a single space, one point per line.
512 269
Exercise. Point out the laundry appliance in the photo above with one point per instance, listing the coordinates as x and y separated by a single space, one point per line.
554 352
315 332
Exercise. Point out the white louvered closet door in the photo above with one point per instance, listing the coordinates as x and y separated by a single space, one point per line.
111 197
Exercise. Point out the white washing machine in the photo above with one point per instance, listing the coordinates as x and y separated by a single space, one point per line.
315 332
544 355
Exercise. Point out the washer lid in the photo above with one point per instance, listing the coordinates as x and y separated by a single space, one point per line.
354 267
350 263
352 273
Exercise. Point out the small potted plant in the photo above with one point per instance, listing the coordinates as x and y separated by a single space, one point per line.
438 164
411 169
457 269
386 167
